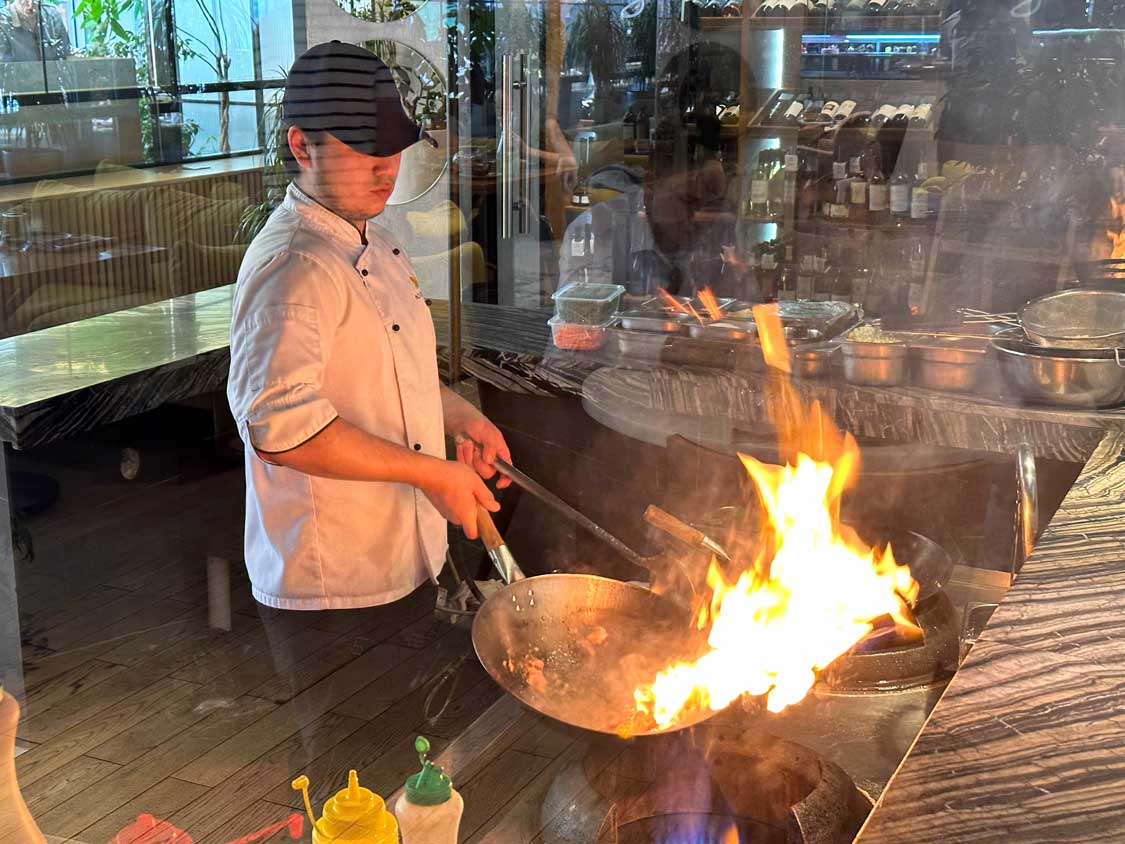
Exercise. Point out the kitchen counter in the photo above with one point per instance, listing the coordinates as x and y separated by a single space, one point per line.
1028 741
1025 744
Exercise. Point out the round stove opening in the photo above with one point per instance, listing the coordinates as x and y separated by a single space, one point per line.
695 828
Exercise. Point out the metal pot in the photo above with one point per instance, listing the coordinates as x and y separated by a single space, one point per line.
1063 380
949 368
1076 319
813 361
875 364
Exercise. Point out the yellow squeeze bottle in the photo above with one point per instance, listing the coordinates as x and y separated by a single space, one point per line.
356 815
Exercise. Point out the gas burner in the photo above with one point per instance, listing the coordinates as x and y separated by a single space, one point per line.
694 786
891 663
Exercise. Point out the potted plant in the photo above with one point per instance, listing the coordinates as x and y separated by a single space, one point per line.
595 43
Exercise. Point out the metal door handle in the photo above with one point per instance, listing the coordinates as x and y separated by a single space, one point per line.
524 202
506 147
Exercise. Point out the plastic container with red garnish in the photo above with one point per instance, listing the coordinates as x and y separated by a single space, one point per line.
578 338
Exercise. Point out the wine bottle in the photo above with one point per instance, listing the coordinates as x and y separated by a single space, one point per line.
901 187
758 207
919 196
792 116
857 190
884 113
844 111
874 8
876 189
829 110
787 282
921 115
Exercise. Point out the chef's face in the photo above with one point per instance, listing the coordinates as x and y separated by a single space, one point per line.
353 185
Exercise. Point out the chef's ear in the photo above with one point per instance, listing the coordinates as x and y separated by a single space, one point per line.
299 145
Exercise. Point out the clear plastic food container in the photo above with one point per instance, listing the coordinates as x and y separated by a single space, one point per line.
575 337
586 303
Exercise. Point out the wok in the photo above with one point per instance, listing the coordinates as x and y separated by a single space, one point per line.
575 646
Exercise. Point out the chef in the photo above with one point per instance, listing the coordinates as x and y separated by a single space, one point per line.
333 376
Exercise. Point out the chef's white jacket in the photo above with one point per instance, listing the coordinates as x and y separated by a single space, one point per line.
324 327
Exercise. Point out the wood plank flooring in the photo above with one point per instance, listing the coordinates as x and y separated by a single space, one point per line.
135 706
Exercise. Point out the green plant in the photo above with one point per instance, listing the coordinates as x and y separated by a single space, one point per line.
379 11
215 53
642 39
595 43
275 177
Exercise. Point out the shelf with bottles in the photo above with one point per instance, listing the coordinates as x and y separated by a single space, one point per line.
788 114
833 22
890 279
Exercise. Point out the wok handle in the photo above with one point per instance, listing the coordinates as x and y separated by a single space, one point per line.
486 528
682 531
665 521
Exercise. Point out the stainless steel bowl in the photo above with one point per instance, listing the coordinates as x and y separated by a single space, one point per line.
950 368
1063 380
730 331
875 364
1076 319
650 321
813 361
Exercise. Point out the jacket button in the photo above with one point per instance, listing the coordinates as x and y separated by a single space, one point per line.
417 446
395 326
395 250
363 272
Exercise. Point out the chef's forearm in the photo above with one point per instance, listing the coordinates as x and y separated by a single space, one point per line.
456 412
345 452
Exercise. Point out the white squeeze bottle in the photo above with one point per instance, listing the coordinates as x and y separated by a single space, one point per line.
429 810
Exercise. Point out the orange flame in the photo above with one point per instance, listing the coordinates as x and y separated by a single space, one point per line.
710 303
812 588
672 302
678 306
731 835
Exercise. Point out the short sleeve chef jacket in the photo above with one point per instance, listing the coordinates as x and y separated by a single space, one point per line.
325 326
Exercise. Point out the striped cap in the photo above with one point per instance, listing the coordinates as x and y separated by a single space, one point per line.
349 92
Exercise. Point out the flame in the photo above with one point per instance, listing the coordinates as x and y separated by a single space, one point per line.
710 303
678 306
731 836
810 590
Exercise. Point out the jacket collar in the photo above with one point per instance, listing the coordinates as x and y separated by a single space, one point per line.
317 217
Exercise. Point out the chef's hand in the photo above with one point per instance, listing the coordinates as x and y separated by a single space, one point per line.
479 443
456 490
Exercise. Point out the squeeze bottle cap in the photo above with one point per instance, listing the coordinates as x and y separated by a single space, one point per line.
430 786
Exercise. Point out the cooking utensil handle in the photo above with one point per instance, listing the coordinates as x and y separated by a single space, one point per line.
665 521
1027 507
549 498
486 528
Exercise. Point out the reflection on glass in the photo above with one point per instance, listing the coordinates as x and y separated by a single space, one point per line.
379 11
423 95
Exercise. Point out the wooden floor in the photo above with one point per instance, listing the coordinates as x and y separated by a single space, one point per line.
135 706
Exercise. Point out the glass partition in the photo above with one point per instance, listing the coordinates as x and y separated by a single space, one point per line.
740 281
